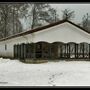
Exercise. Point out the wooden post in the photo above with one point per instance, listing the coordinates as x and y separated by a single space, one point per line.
31 50
89 51
18 51
83 50
27 50
34 51
76 47
14 51
61 51
42 51
26 46
29 53
65 51
49 50
23 51
69 50
75 51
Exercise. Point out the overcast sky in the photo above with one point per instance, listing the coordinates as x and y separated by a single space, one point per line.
80 10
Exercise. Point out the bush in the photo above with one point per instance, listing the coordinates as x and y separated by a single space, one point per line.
28 61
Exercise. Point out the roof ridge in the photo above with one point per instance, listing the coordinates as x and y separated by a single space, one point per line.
42 28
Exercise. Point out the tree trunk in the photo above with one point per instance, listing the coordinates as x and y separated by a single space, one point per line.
13 20
34 17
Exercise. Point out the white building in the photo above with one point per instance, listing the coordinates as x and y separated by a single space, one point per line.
62 31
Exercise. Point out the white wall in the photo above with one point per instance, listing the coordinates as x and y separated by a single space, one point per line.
63 33
10 43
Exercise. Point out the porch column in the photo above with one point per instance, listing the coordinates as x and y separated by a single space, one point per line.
34 51
69 50
75 50
65 51
83 50
89 51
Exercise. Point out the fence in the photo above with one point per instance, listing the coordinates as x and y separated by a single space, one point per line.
55 50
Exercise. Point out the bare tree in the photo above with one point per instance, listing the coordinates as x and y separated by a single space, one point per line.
68 14
4 12
42 13
9 18
18 11
86 22
38 14
53 16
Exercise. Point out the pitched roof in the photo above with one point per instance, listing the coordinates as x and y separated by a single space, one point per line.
42 28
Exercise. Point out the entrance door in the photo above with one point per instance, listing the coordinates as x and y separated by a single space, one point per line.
42 50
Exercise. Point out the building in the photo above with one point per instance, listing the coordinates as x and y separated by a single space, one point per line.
62 39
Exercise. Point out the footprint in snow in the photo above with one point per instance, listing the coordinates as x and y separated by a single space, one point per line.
51 80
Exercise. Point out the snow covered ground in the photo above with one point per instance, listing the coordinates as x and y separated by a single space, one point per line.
63 73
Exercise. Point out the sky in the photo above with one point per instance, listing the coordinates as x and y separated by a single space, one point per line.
80 10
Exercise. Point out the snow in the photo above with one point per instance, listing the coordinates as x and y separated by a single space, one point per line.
62 73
